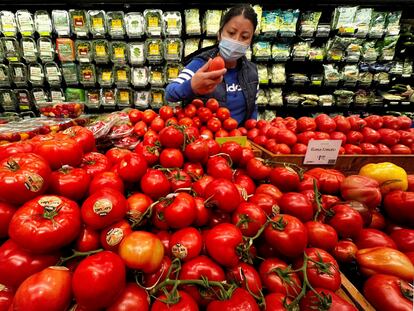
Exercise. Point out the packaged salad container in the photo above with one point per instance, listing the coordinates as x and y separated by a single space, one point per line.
18 74
36 74
173 49
25 23
61 22
156 76
108 98
29 49
309 23
11 49
46 49
135 24
141 99
74 95
377 25
70 73
154 50
172 70
39 96
153 22
84 53
122 75
172 24
116 26
53 74
137 53
192 22
24 100
119 52
93 98
140 76
100 51
124 98
8 100
66 49
105 76
43 23
5 79
191 45
211 22
157 98
8 25
87 74
97 23
79 23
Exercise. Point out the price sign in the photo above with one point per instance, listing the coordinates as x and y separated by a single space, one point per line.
322 152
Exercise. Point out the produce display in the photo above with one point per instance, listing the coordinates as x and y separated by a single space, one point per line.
147 211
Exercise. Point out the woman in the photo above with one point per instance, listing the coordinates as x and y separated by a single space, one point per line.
235 86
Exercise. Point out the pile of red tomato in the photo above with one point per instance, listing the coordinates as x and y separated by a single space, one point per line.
182 223
371 135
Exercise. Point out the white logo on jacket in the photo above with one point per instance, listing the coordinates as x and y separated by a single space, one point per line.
233 87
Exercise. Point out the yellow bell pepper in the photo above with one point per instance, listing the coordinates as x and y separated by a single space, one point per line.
388 175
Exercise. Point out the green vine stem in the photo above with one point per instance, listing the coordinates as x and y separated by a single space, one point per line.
77 254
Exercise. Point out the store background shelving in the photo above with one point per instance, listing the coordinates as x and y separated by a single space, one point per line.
307 67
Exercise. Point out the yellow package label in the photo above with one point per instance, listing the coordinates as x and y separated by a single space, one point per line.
336 57
241 140
124 96
317 82
157 98
153 22
119 53
156 76
122 75
116 23
318 57
172 23
97 22
173 73
100 51
106 75
154 49
173 48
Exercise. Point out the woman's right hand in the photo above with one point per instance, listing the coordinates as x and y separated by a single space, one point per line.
205 82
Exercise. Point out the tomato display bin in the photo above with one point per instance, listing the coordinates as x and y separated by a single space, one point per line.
348 164
351 294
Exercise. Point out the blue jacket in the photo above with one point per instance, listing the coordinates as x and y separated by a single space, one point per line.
180 88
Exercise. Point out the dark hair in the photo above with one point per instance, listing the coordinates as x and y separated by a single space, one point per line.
245 10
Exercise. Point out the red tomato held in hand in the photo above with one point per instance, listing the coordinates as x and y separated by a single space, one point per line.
49 289
132 297
287 234
217 63
72 183
23 176
224 194
387 292
142 250
60 152
16 264
286 282
98 280
221 243
103 208
325 300
240 300
45 224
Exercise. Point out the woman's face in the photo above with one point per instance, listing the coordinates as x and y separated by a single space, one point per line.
238 28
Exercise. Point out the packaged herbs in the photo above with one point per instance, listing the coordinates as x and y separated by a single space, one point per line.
116 26
25 23
377 25
362 21
39 96
172 24
300 50
263 74
331 75
275 97
97 23
23 100
74 95
309 23
141 99
83 51
36 74
343 20
119 52
353 51
4 76
172 70
191 45
79 22
208 42
211 22
137 53
270 23
365 78
173 49
8 100
259 12
70 73
87 74
350 74
100 48
316 53
192 22
18 74
156 77
262 99
65 49
122 75
154 50
46 49
11 49
262 50
280 51
369 51
123 97
393 23
157 98
29 49
139 76
43 23
53 74
153 22
288 21
278 74
135 24
61 22
105 76
8 24
93 99
108 98
387 47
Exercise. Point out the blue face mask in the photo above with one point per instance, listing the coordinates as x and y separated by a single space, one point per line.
232 50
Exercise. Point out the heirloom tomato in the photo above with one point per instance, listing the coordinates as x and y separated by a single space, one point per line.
72 183
59 152
94 163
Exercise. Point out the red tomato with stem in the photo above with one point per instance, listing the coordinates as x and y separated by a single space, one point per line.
116 154
135 115
240 300
245 276
132 167
185 302
347 222
155 184
186 243
171 137
284 178
224 194
345 251
223 113
94 163
219 167
181 212
325 299
249 217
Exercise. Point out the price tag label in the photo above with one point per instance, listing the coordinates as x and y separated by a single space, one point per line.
241 140
322 152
